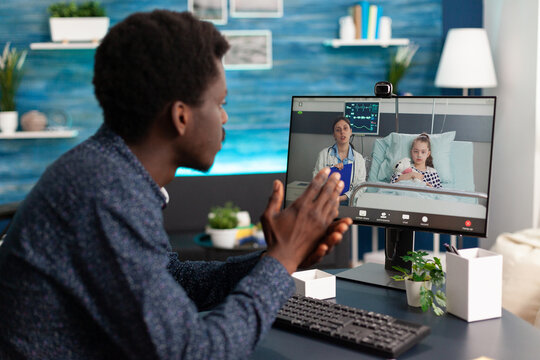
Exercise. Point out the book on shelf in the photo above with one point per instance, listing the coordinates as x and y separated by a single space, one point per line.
357 16
377 21
366 18
372 22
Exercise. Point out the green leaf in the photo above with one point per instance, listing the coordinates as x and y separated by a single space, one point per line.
437 310
71 9
223 217
11 73
425 299
400 269
407 258
440 298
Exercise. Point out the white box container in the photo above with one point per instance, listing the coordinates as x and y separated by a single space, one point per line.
315 283
474 284
78 28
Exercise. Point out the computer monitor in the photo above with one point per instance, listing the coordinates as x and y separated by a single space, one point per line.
460 133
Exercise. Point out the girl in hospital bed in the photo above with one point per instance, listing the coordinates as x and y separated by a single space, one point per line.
422 167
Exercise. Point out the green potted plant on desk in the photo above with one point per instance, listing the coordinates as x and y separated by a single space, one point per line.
222 225
426 273
11 72
77 22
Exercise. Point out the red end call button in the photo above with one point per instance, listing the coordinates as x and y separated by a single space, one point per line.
468 223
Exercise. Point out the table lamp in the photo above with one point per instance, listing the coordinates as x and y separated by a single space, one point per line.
466 61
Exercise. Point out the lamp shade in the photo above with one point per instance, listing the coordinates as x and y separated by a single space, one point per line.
466 60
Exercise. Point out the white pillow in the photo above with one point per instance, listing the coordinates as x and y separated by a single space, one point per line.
399 146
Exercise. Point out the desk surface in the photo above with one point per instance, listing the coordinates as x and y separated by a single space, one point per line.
508 337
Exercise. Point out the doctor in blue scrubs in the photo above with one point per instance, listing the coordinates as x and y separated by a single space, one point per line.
340 154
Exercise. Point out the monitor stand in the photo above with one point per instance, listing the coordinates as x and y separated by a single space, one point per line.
398 243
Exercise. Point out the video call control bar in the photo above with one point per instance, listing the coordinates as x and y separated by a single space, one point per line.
429 222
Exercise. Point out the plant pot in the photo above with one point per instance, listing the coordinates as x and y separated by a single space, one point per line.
223 238
9 120
78 28
413 291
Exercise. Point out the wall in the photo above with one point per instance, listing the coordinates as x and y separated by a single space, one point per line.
461 14
512 27
259 101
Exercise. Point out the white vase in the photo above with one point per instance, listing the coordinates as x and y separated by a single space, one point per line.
223 238
9 120
78 28
413 291
347 30
385 28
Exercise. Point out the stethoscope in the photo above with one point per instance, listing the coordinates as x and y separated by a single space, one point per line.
353 163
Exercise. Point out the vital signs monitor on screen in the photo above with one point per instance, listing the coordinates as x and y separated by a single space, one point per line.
391 180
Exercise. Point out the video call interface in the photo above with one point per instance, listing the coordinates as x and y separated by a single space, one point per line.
421 163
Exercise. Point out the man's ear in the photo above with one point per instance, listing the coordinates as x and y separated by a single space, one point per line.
181 115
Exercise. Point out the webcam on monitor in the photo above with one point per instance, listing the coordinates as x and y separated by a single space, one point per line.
383 89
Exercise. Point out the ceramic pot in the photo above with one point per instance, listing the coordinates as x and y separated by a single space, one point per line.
223 238
9 120
413 291
33 121
67 29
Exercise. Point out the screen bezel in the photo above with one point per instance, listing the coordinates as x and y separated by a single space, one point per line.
400 226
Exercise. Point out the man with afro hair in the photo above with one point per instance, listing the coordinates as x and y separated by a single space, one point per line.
86 268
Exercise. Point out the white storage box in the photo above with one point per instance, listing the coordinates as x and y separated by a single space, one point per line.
315 283
474 284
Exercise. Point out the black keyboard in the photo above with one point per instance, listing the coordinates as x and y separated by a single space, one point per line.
375 333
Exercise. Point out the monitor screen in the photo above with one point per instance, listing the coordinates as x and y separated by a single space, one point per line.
424 166
363 116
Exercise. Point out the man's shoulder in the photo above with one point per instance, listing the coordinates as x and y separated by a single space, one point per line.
90 168
90 159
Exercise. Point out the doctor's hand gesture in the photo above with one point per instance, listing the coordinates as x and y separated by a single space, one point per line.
304 232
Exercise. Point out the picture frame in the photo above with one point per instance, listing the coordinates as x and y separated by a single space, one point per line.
214 11
250 50
256 8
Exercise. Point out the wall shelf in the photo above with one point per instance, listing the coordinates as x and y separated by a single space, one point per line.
64 46
335 43
47 134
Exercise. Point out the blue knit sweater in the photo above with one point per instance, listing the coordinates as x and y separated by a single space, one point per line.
87 272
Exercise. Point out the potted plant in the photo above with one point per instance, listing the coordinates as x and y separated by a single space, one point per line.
222 223
426 273
11 72
72 22
399 63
